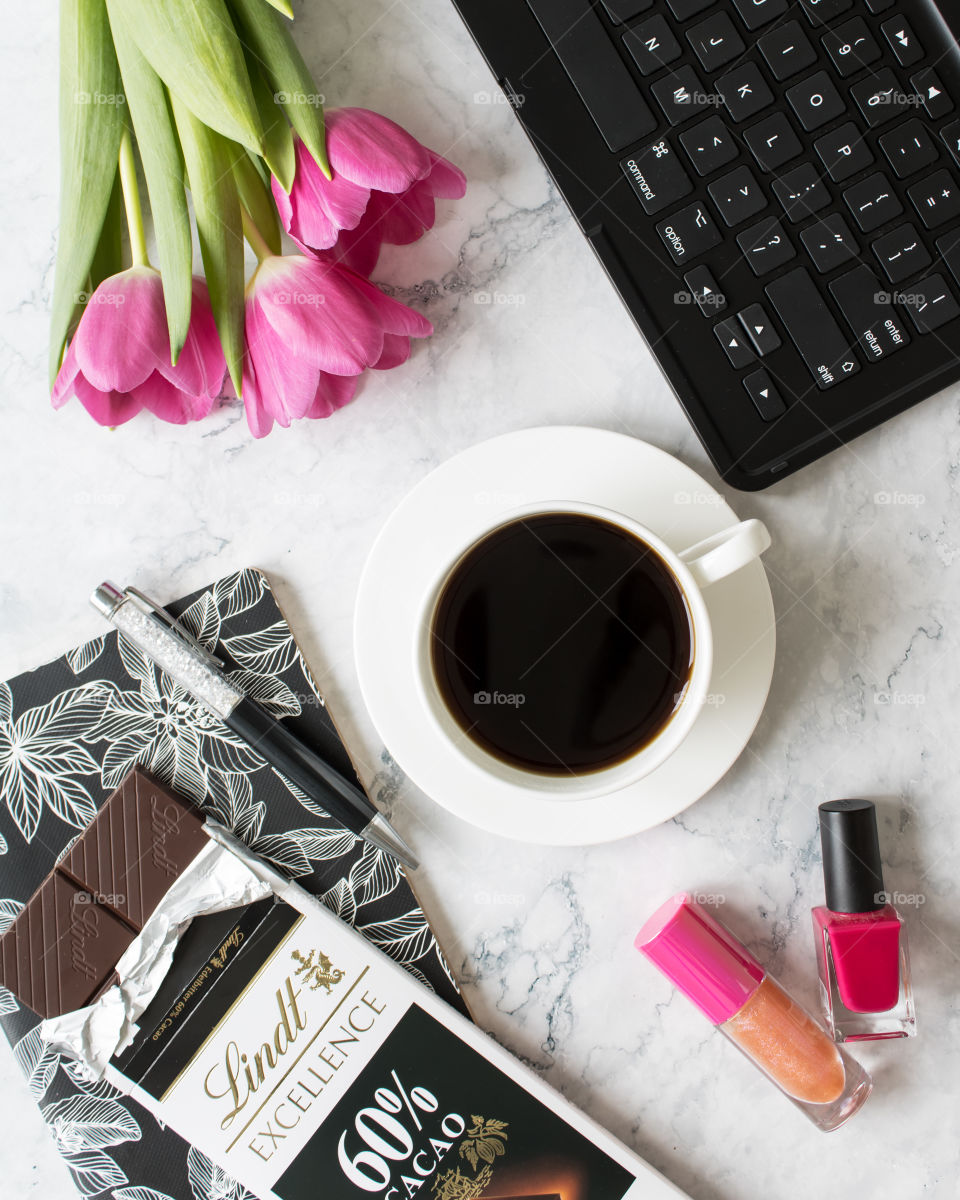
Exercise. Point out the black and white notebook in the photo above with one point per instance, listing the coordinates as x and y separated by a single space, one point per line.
69 732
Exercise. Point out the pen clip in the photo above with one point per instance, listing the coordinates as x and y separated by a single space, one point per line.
171 622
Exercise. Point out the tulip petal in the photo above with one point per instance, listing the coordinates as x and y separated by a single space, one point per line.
166 401
287 383
122 336
333 392
320 314
357 248
446 180
396 350
319 207
370 149
63 385
259 421
394 316
201 366
106 408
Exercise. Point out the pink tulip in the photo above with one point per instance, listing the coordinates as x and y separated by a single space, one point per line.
119 359
383 190
312 329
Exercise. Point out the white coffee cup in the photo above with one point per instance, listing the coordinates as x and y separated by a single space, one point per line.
693 570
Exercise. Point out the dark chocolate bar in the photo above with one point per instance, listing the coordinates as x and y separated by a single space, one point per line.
61 951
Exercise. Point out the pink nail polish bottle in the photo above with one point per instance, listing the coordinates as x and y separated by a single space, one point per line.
865 989
733 991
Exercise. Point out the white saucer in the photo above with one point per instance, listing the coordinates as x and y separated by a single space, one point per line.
429 526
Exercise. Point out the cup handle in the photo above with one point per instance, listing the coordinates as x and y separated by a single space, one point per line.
719 556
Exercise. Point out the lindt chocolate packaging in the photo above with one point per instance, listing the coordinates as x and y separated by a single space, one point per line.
303 1061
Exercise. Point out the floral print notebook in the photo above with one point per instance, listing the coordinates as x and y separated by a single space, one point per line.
69 733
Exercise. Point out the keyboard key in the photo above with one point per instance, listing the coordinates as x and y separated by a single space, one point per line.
872 202
689 232
909 148
730 336
765 246
844 152
744 91
772 142
657 176
801 192
759 329
880 97
820 11
879 6
901 253
930 303
683 9
709 146
738 196
652 45
867 310
951 137
596 70
815 101
715 42
903 41
755 13
830 243
787 50
929 87
822 344
763 392
949 250
936 199
851 46
626 10
680 94
705 291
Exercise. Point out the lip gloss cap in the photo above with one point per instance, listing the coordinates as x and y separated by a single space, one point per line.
852 868
700 957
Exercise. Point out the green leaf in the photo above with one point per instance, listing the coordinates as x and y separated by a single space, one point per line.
91 126
283 64
278 147
257 199
163 170
193 46
216 207
108 258
282 6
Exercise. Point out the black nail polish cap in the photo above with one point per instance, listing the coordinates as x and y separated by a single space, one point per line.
852 870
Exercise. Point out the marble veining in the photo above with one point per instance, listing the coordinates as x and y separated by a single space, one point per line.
863 570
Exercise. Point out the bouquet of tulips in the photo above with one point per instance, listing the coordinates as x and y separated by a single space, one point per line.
215 101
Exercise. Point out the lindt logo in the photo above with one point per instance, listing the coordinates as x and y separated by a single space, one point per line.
164 820
84 927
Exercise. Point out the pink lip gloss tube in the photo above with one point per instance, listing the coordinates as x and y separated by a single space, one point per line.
865 988
731 988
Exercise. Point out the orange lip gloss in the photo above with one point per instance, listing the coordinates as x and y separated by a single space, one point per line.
731 988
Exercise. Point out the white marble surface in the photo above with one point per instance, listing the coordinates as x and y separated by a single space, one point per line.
864 699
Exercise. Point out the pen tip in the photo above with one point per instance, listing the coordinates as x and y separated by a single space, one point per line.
381 833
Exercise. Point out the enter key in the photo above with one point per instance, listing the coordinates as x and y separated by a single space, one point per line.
867 309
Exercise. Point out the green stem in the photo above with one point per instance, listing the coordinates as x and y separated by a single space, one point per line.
131 202
253 235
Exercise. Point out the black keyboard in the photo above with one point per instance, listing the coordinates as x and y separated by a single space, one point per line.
773 188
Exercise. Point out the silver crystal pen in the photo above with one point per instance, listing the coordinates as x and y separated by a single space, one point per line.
175 650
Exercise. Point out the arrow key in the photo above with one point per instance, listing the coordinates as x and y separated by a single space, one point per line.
763 392
929 87
730 336
759 328
705 291
903 41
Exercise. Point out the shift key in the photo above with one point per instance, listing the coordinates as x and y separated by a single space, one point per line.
821 342
866 308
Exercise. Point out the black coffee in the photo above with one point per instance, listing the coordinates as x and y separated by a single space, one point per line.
561 644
